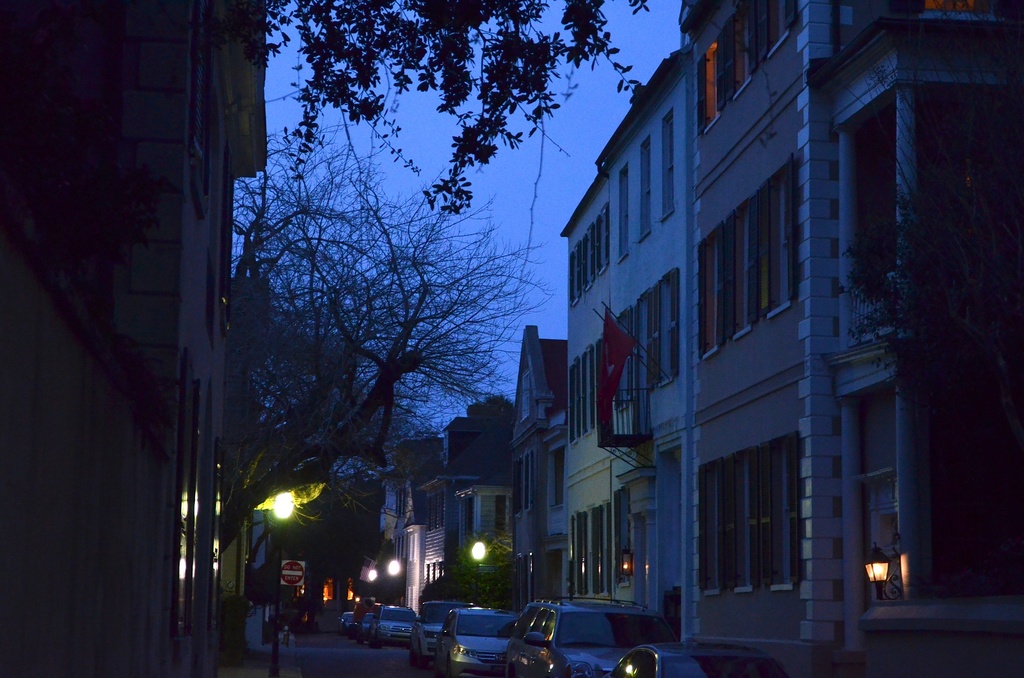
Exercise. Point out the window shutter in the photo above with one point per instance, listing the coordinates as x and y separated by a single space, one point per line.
720 72
719 510
720 256
753 273
753 52
728 259
764 531
572 277
793 504
701 294
702 507
767 273
762 8
729 523
727 59
673 331
702 93
753 521
607 234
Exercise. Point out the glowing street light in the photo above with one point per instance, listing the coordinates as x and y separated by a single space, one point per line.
479 550
372 574
394 567
284 504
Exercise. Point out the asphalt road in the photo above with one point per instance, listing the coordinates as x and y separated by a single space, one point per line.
328 655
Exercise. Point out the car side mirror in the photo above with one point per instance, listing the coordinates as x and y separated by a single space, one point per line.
536 639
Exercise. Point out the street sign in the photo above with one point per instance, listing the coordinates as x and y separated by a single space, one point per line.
293 572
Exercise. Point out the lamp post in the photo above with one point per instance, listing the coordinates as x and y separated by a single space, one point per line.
478 552
284 503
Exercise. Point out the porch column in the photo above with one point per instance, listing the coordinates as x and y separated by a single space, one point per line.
908 496
853 523
847 228
906 146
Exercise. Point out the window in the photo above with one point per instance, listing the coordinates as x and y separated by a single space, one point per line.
744 42
748 262
668 168
767 22
501 513
468 516
645 187
579 525
670 297
585 261
624 211
771 229
707 93
749 517
957 5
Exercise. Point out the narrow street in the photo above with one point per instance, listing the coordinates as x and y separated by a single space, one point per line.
328 655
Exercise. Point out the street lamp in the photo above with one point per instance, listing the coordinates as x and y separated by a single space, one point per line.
394 567
284 504
478 551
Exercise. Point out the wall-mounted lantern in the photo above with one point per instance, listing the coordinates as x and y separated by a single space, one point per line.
884 571
626 564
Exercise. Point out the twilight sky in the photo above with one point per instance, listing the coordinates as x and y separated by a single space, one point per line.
564 162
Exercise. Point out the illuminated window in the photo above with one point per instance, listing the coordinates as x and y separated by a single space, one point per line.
328 589
957 5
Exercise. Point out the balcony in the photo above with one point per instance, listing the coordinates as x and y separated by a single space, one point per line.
630 425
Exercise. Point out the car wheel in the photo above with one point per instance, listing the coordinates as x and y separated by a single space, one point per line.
413 659
438 673
448 669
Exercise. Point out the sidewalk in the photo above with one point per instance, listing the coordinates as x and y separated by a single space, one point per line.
257 664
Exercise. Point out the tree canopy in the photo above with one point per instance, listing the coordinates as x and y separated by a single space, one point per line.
353 312
492 64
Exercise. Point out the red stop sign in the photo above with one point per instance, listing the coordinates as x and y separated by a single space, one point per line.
293 572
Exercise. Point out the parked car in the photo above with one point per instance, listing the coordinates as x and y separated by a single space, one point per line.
579 639
473 641
425 629
696 660
344 622
392 625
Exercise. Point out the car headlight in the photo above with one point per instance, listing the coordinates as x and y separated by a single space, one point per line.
463 650
580 670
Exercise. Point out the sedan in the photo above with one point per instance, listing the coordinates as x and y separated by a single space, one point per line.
696 660
472 642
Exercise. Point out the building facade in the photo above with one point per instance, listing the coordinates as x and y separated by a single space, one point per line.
812 118
539 536
114 379
625 496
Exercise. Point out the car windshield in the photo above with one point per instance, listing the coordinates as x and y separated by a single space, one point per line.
490 625
612 629
398 615
435 614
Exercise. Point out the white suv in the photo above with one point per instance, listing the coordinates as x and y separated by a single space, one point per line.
425 630
579 639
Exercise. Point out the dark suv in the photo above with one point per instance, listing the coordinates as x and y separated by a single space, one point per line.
579 639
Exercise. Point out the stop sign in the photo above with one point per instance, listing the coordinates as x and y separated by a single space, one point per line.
293 572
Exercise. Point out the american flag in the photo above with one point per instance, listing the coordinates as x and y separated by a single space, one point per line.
368 564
